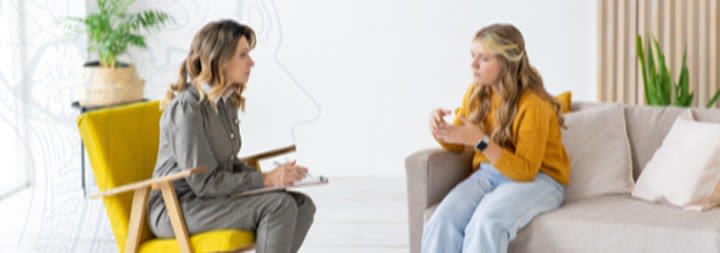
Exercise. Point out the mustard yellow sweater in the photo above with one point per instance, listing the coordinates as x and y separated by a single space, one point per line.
538 140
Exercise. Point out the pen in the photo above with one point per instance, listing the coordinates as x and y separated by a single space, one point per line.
307 175
280 164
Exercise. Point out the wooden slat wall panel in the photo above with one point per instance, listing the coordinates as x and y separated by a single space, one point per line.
633 95
620 44
676 24
703 61
610 54
667 30
713 65
641 17
680 38
691 41
601 27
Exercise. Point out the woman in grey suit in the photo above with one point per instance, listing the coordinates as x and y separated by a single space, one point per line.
199 127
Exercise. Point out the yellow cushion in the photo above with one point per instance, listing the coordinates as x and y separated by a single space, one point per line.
212 241
565 100
122 144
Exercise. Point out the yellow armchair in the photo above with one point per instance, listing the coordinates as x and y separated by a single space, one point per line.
122 143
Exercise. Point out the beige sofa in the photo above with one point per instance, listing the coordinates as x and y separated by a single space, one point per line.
604 223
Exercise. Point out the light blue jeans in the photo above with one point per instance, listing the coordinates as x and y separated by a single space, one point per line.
484 212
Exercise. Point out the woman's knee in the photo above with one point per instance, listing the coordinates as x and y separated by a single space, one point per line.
453 209
306 206
491 219
282 202
446 216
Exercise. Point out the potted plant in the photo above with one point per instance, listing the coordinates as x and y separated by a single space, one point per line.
111 31
658 82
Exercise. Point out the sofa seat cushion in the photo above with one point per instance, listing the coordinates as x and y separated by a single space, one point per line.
620 224
617 224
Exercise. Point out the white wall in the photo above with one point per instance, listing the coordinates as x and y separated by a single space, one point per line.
372 70
350 82
39 67
10 116
379 67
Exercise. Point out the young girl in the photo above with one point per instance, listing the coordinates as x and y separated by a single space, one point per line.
199 127
513 125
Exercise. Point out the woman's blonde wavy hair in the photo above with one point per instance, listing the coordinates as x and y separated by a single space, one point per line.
516 75
212 47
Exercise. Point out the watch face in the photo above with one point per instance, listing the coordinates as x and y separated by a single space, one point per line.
482 145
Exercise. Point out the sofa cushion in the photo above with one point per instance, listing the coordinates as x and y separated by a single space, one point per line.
599 151
685 170
648 125
620 224
565 100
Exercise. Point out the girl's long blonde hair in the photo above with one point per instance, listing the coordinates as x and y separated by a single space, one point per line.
516 75
212 47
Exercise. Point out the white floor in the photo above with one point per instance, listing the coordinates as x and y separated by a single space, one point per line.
354 215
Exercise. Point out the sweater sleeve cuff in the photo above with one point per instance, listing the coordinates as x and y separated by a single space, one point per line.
256 180
502 162
451 147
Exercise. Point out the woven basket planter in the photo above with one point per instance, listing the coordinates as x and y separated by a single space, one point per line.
108 86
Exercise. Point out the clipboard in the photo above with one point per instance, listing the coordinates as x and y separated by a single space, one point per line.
307 181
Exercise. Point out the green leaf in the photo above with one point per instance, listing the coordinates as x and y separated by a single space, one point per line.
713 100
682 93
136 40
111 31
664 83
654 98
665 79
639 49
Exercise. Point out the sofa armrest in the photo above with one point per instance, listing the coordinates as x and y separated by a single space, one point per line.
431 174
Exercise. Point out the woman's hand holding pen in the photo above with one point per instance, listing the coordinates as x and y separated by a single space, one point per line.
284 174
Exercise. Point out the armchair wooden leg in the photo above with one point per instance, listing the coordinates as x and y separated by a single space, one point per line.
137 217
176 217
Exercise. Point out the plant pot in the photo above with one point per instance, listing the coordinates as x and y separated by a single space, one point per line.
108 86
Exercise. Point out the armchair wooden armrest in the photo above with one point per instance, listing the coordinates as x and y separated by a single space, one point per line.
152 182
254 160
139 207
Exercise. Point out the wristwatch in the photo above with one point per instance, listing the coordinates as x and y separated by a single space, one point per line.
483 143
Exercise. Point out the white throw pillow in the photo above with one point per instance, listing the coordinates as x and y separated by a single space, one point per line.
599 151
685 170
